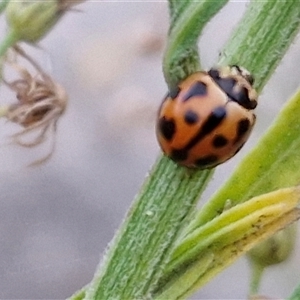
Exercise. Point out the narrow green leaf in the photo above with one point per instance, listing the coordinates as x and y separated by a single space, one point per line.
182 284
225 238
280 201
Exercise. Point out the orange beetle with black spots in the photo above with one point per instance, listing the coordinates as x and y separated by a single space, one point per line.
207 119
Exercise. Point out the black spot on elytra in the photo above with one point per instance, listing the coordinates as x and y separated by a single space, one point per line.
242 127
235 92
214 73
179 154
167 128
213 121
206 161
252 104
197 89
242 97
227 85
220 141
173 93
190 117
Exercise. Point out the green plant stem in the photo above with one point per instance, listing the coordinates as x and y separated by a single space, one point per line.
260 50
176 7
181 56
296 294
256 276
10 40
143 244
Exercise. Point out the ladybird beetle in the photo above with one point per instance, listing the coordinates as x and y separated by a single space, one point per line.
207 119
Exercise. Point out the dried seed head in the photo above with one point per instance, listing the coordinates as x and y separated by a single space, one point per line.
41 102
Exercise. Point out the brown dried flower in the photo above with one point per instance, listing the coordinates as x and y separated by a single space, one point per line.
41 102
